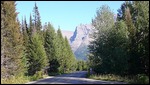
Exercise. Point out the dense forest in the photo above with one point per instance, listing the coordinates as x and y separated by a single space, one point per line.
121 46
30 50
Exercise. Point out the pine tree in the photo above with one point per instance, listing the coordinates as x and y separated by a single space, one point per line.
38 58
136 16
24 31
141 23
36 18
67 58
117 43
37 23
30 27
99 56
121 11
50 47
70 58
36 55
11 41
60 47
25 42
137 22
133 59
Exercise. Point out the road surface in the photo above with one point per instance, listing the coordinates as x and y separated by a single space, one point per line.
73 78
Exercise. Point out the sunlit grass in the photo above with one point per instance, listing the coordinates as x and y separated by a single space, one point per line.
15 80
128 79
108 77
23 79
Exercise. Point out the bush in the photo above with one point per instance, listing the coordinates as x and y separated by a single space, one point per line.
142 79
109 77
38 75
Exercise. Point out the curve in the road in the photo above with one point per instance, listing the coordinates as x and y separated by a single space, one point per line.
73 78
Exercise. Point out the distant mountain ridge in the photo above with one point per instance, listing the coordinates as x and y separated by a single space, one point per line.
79 40
67 33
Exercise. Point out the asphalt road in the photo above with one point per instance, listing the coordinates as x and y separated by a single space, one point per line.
72 78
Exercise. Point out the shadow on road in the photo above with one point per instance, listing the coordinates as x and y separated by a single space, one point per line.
70 80
73 78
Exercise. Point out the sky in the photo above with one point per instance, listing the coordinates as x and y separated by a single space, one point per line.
64 14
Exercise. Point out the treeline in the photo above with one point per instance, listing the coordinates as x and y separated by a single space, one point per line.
82 66
121 46
29 48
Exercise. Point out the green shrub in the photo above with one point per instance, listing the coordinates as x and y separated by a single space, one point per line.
33 78
109 77
142 79
38 75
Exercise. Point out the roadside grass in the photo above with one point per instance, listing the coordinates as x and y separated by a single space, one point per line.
25 79
108 77
16 80
138 79
21 79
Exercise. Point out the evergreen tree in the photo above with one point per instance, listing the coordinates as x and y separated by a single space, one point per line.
24 31
36 55
60 48
12 42
70 58
138 27
50 47
121 48
133 60
37 23
121 11
103 23
36 18
136 16
38 59
25 42
108 50
142 33
117 42
30 29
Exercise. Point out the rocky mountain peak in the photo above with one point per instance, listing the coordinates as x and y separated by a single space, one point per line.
81 32
79 40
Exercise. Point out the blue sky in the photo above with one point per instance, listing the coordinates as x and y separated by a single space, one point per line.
66 14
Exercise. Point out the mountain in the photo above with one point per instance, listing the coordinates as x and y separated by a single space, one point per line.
79 40
66 33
